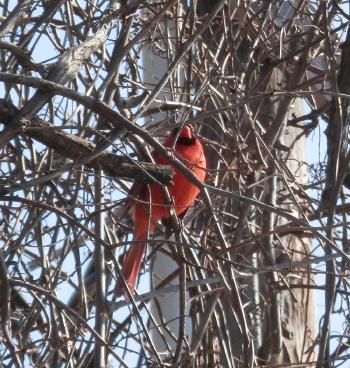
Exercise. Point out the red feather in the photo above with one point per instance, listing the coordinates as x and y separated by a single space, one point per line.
182 191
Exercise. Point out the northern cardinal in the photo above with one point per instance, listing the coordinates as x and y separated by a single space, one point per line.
151 205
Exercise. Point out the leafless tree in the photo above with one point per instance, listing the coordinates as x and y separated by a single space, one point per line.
258 269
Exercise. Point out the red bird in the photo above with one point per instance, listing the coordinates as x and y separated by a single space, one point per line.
183 193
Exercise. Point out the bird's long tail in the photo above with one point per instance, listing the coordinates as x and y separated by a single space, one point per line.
133 260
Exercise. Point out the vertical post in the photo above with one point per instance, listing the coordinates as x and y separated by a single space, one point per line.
165 309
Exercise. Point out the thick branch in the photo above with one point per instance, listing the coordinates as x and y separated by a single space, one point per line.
68 65
73 147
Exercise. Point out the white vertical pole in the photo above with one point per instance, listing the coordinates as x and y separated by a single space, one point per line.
165 309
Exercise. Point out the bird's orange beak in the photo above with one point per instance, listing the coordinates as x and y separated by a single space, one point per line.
187 132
